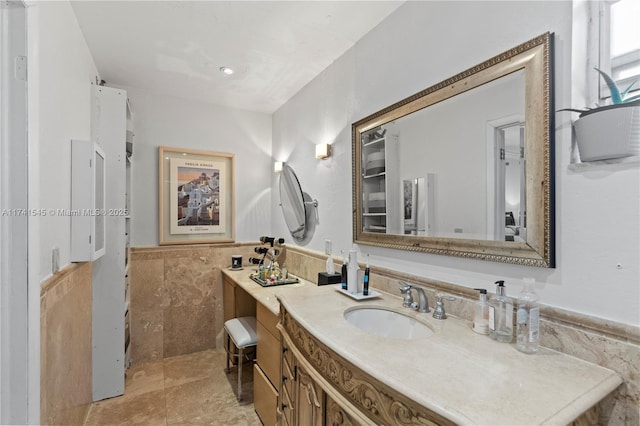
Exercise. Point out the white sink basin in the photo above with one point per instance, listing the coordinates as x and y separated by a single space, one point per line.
385 322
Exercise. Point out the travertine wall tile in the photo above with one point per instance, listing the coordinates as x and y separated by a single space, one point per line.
147 285
146 335
176 298
188 329
65 346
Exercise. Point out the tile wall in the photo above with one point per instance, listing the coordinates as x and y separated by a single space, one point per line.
176 304
65 346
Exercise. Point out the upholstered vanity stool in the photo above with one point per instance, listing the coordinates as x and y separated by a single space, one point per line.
242 331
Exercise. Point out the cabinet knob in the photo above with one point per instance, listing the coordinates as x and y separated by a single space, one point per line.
284 349
284 378
284 406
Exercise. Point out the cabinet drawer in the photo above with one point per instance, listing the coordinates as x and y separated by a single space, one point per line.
287 408
268 354
265 398
287 355
268 319
287 376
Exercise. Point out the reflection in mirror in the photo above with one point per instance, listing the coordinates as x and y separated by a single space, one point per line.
299 210
463 168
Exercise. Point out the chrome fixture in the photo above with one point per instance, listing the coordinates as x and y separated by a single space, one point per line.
438 312
408 297
423 302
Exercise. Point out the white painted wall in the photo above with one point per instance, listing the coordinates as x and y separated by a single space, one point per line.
167 121
420 44
60 71
13 227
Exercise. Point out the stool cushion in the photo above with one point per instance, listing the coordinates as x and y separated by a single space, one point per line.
242 331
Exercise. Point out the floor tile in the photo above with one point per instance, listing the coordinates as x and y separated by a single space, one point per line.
183 369
144 409
143 378
190 389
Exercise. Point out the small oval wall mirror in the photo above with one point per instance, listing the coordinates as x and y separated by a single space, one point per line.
294 203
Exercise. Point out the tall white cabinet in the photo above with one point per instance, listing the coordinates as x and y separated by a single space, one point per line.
108 131
381 186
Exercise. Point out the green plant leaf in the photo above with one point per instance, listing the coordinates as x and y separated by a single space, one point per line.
624 93
616 97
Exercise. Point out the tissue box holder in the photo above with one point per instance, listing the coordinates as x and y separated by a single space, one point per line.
325 278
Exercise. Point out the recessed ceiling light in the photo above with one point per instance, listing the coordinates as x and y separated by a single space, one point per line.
226 70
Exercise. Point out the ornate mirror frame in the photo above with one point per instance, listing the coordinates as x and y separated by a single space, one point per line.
534 57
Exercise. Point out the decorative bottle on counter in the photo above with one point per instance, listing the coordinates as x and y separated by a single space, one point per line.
481 313
501 315
528 319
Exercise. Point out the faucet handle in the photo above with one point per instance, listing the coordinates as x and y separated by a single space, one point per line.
438 312
408 297
404 287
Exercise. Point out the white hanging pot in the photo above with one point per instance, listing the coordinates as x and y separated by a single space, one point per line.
608 132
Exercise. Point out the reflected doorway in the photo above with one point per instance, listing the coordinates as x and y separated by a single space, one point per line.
507 180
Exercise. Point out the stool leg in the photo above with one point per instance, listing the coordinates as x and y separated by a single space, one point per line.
239 374
226 370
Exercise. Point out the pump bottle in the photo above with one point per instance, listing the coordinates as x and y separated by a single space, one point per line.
528 319
501 315
481 313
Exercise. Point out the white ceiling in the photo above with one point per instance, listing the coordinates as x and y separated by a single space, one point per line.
176 48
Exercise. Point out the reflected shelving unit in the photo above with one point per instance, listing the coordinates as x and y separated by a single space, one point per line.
381 204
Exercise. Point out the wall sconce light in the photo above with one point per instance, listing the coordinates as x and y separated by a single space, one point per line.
277 166
323 150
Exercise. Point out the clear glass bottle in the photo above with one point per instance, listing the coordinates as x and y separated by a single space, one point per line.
528 319
501 315
481 313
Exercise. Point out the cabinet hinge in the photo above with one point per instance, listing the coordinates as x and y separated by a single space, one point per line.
502 154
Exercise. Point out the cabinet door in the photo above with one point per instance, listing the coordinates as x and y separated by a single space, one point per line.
336 416
309 400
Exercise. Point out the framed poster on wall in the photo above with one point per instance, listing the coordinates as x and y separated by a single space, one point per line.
196 196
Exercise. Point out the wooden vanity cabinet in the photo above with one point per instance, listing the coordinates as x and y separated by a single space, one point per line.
303 400
267 375
237 302
321 388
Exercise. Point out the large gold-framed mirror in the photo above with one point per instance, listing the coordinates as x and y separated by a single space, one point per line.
465 167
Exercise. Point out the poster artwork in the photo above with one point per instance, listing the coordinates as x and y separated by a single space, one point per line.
197 193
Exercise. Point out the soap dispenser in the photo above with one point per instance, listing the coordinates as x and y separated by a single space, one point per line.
481 313
528 319
501 315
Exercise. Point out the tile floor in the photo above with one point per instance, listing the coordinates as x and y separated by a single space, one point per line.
188 389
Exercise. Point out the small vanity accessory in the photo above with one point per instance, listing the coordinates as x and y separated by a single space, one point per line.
352 272
236 261
501 315
528 319
365 285
345 264
481 313
331 269
325 278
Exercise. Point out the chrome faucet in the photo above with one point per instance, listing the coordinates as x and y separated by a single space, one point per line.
423 302
408 297
438 312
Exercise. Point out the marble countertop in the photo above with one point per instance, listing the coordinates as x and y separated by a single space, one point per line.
461 375
265 295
